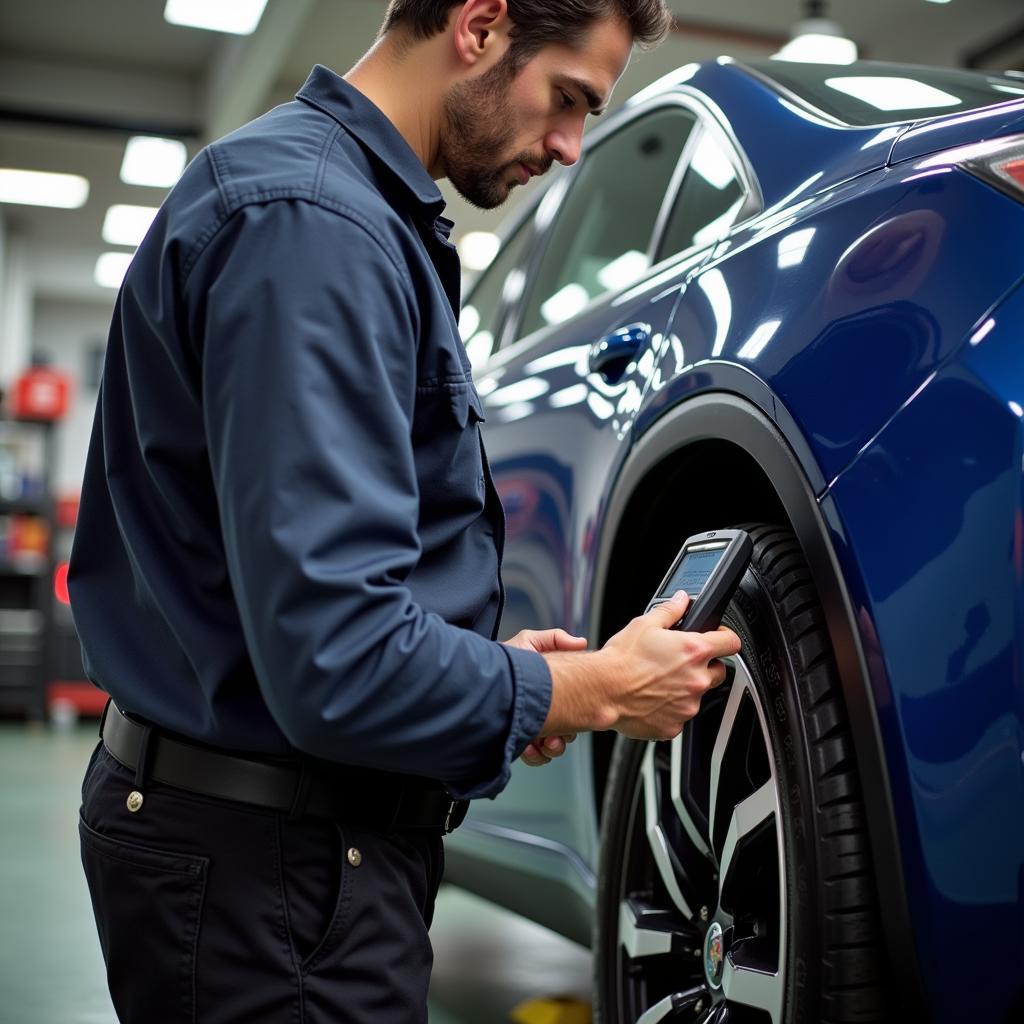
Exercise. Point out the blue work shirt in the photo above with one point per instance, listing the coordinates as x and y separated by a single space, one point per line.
288 538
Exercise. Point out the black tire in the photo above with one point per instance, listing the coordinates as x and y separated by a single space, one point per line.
825 953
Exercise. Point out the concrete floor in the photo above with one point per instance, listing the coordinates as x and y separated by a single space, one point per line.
487 961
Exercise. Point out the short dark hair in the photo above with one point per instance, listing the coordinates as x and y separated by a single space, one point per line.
539 22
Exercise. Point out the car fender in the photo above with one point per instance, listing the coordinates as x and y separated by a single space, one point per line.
742 421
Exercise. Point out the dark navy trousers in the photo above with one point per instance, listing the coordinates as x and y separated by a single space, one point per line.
214 912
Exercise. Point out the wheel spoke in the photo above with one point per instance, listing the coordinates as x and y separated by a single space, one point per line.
732 708
656 836
753 988
748 815
679 804
646 931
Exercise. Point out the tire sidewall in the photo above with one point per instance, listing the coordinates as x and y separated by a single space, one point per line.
770 662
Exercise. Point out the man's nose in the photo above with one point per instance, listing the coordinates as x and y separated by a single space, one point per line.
564 146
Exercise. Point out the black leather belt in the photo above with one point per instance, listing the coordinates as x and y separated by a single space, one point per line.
359 798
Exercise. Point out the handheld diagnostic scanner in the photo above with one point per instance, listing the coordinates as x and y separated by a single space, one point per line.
709 568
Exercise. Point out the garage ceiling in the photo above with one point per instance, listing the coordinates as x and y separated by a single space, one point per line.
76 79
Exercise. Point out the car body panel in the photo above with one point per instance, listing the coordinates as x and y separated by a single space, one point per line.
876 324
954 130
549 503
933 524
819 151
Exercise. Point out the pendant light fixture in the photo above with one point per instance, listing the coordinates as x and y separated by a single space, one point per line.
817 39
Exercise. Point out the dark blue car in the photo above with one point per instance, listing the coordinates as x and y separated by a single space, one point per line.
787 297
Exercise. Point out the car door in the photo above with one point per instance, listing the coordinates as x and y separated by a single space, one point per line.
576 351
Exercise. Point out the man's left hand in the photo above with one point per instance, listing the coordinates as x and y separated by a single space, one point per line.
544 750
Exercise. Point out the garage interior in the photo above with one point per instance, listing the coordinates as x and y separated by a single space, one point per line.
77 82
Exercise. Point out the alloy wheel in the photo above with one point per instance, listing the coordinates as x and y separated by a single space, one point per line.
702 931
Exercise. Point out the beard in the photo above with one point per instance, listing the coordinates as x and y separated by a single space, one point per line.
479 125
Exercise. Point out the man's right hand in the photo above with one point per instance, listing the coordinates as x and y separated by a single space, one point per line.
646 682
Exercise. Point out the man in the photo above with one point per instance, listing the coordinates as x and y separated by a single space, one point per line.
286 571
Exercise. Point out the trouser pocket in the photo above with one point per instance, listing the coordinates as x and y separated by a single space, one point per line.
148 905
315 886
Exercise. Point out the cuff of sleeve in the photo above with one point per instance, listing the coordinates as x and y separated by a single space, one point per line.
531 683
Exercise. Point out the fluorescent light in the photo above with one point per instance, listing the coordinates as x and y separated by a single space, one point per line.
623 270
111 268
937 1
755 344
818 41
600 406
572 395
514 285
891 93
127 225
713 285
525 390
239 17
813 48
479 348
564 304
793 248
478 249
469 321
983 331
42 188
152 161
712 164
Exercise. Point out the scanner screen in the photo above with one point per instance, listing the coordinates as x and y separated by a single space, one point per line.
693 571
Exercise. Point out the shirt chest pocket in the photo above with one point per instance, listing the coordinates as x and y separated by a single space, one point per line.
447 449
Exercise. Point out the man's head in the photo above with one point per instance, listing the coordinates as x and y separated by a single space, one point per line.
525 75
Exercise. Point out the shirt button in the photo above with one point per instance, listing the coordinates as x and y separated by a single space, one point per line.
134 800
355 858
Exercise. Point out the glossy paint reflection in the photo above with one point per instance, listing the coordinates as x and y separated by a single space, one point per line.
879 307
933 510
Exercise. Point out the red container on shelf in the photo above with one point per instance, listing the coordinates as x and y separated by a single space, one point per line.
40 394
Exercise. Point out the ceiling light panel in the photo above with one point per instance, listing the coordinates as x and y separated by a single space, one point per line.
239 17
43 188
153 161
127 225
111 268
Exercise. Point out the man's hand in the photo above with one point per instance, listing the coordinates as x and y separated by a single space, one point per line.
646 682
543 751
664 672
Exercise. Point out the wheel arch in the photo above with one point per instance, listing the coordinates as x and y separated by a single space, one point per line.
744 469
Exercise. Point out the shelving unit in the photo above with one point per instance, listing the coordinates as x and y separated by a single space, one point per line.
26 563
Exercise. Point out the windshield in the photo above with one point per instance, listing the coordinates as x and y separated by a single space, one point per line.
871 93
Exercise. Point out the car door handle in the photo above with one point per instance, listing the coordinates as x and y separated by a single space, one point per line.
610 356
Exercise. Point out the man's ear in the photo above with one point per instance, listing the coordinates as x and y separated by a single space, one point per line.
481 31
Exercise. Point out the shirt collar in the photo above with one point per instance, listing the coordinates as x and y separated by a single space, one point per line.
358 115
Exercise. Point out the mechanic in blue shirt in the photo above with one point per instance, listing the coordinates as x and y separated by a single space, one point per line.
286 569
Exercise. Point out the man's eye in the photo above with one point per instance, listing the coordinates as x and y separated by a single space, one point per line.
567 101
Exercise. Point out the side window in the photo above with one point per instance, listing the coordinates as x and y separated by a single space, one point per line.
500 283
601 237
708 202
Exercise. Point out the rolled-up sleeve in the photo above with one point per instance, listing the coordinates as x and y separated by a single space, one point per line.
307 333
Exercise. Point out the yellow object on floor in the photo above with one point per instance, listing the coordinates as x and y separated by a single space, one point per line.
551 1011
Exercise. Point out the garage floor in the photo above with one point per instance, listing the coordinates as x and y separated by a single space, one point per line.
487 962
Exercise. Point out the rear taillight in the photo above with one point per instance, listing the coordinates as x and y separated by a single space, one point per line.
1000 162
